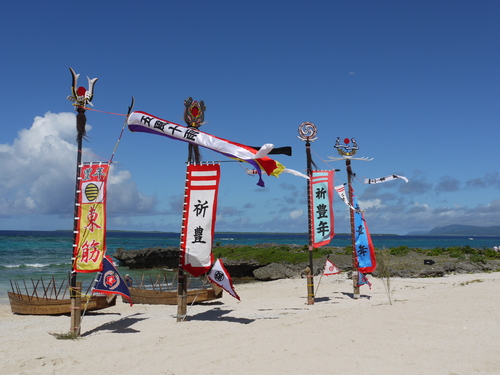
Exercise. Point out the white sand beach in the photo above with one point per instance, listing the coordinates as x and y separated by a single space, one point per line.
448 325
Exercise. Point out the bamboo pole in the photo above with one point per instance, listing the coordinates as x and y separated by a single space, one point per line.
193 119
307 133
76 302
310 274
355 285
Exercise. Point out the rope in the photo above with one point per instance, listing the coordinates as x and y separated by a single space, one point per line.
194 300
79 294
96 110
118 141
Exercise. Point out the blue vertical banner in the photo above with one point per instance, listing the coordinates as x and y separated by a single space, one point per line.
365 251
321 193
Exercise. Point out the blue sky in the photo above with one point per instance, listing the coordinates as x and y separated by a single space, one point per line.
416 83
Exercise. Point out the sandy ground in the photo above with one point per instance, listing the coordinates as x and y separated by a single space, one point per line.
447 325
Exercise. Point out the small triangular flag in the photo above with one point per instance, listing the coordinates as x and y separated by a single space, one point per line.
110 281
219 275
330 269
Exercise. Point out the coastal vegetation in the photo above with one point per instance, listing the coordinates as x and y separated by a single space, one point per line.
270 261
272 253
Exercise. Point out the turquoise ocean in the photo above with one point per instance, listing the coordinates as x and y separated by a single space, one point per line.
27 256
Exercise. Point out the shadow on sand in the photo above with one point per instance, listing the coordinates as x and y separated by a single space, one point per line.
351 295
218 314
118 326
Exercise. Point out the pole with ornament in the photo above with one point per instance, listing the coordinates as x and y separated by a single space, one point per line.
307 133
347 152
80 98
194 115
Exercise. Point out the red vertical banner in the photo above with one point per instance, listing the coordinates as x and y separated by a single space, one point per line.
322 201
198 222
90 239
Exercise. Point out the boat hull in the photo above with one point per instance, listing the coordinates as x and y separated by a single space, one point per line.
156 297
24 305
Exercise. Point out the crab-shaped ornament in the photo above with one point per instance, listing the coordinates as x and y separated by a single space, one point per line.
347 151
81 96
194 113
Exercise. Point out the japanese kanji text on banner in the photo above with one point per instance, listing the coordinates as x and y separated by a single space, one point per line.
322 201
90 239
198 224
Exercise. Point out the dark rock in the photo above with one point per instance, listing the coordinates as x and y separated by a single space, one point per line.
148 258
241 268
275 271
466 267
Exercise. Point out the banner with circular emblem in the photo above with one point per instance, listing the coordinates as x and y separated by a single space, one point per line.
90 239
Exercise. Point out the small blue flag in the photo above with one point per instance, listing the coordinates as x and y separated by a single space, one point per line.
362 279
110 281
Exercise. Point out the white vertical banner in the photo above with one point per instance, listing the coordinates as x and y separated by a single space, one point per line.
198 222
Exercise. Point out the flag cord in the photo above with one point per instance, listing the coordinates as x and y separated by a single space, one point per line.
96 110
194 300
317 287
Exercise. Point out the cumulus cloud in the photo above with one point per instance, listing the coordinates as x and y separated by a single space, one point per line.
38 177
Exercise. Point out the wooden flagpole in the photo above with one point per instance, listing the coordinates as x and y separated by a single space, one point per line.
355 285
80 97
307 133
347 152
73 292
194 115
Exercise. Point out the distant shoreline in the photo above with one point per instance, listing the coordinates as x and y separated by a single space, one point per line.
471 236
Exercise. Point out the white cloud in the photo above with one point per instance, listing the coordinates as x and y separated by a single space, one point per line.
296 214
38 175
374 203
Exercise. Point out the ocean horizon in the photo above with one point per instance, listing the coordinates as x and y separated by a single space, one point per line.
27 256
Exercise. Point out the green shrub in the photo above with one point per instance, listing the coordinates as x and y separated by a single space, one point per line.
324 250
477 258
469 250
490 253
400 250
434 252
456 254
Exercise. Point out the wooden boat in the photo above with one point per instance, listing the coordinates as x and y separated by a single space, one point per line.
159 297
160 292
49 299
27 305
